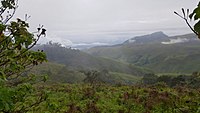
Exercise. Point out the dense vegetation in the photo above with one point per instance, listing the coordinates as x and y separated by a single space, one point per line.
83 98
191 80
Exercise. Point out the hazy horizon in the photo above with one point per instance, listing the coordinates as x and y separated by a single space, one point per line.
104 21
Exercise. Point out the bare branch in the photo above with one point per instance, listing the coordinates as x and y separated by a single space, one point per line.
186 19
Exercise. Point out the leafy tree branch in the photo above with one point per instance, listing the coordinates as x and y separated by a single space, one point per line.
195 16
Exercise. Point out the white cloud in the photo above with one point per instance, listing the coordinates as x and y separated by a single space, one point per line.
174 41
55 39
131 41
67 43
88 45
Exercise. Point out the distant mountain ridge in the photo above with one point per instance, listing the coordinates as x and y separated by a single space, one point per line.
150 38
166 54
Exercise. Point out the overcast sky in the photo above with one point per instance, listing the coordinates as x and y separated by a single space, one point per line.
86 21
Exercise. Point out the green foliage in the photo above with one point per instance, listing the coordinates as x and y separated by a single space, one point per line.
16 57
197 27
170 80
6 99
22 98
196 15
84 98
15 44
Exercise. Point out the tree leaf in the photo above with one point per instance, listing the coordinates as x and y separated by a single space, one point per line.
197 27
197 12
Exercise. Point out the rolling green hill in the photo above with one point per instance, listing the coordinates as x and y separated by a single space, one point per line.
60 73
78 60
178 54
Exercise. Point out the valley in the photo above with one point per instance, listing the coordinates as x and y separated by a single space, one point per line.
125 63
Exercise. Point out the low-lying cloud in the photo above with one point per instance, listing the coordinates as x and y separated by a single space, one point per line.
178 40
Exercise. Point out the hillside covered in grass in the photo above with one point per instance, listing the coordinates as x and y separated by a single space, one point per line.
78 60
